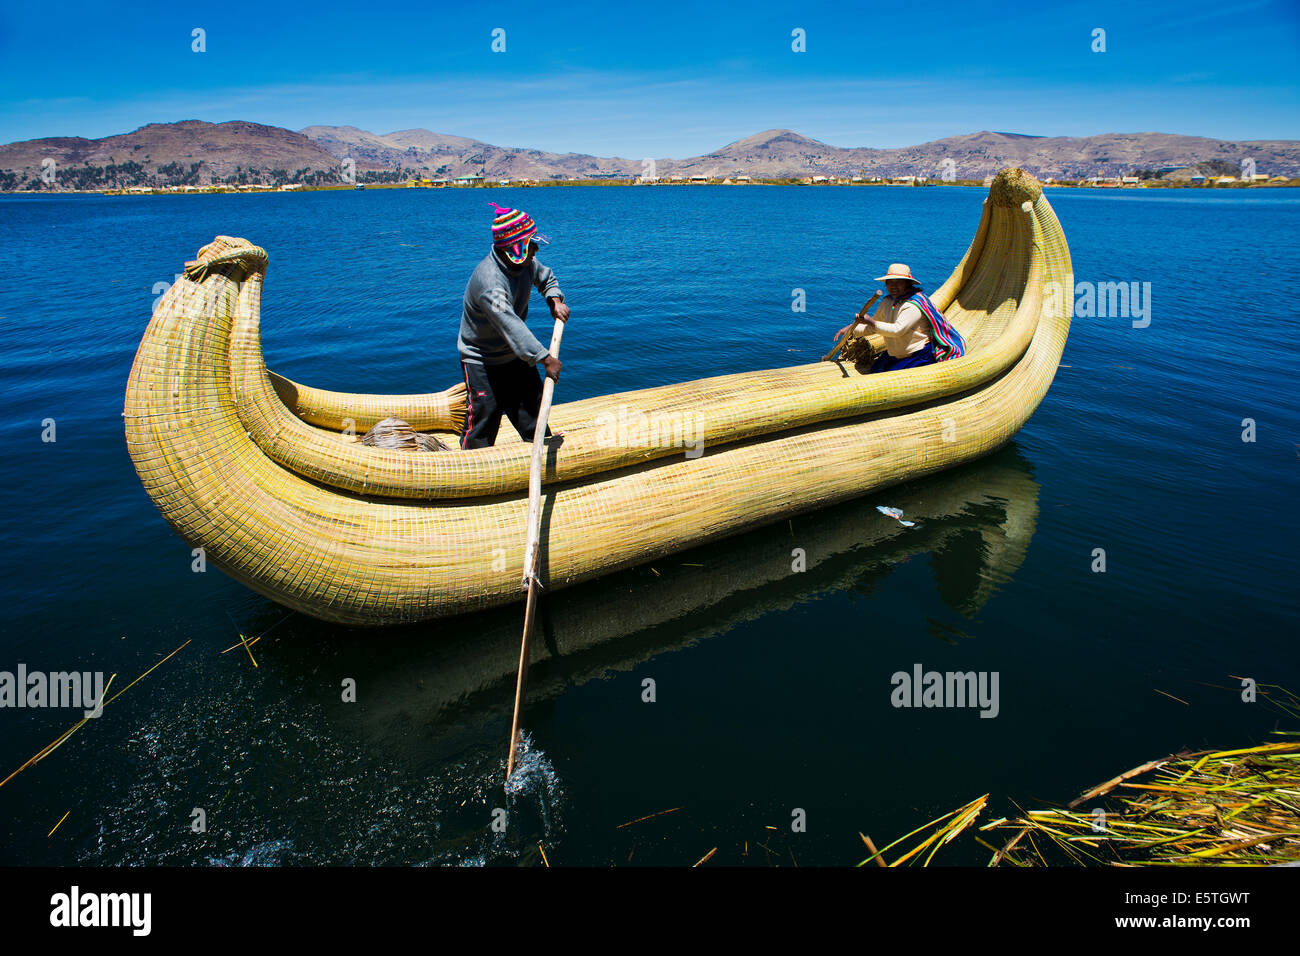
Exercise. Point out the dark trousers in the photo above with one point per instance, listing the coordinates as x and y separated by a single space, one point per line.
514 389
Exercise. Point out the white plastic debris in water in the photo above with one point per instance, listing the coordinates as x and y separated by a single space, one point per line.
896 514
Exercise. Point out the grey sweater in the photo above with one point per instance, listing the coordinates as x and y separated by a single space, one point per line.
492 329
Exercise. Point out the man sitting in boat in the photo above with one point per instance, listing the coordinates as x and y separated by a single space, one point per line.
915 332
498 353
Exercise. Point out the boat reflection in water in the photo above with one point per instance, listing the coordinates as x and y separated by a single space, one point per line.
457 676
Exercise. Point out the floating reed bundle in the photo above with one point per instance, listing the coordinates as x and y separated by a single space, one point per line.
1227 807
250 465
1231 807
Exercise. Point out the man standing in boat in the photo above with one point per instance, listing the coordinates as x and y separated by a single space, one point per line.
498 353
915 332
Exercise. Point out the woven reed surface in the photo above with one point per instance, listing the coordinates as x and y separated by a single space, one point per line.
433 411
195 388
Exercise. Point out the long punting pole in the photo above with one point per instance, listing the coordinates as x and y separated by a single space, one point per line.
862 314
532 550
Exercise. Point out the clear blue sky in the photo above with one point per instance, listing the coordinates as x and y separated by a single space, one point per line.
663 79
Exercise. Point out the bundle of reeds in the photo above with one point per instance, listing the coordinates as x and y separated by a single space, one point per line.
397 434
859 352
1229 807
433 411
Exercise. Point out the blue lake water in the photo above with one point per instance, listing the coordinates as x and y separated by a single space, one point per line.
772 689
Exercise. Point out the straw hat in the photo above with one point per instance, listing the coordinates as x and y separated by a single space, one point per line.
899 271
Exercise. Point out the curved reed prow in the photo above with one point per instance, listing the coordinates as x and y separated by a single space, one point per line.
237 260
234 258
1014 187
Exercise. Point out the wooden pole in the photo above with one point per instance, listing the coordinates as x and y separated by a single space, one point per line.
862 314
532 548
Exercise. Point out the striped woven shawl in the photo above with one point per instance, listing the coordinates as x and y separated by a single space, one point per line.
948 343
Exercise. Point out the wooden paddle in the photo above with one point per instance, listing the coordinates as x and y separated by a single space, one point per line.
532 549
862 314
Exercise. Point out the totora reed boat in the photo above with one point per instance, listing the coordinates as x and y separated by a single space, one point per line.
268 477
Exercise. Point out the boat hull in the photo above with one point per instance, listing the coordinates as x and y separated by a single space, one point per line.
354 556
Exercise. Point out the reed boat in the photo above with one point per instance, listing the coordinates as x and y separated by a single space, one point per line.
269 478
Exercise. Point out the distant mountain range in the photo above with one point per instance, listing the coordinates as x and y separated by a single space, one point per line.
195 152
167 154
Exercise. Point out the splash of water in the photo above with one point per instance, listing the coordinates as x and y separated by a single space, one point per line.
534 772
270 853
534 784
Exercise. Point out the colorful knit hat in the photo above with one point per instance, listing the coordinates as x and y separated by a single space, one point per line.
512 230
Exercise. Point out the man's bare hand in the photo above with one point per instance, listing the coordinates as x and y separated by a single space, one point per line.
559 310
552 366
